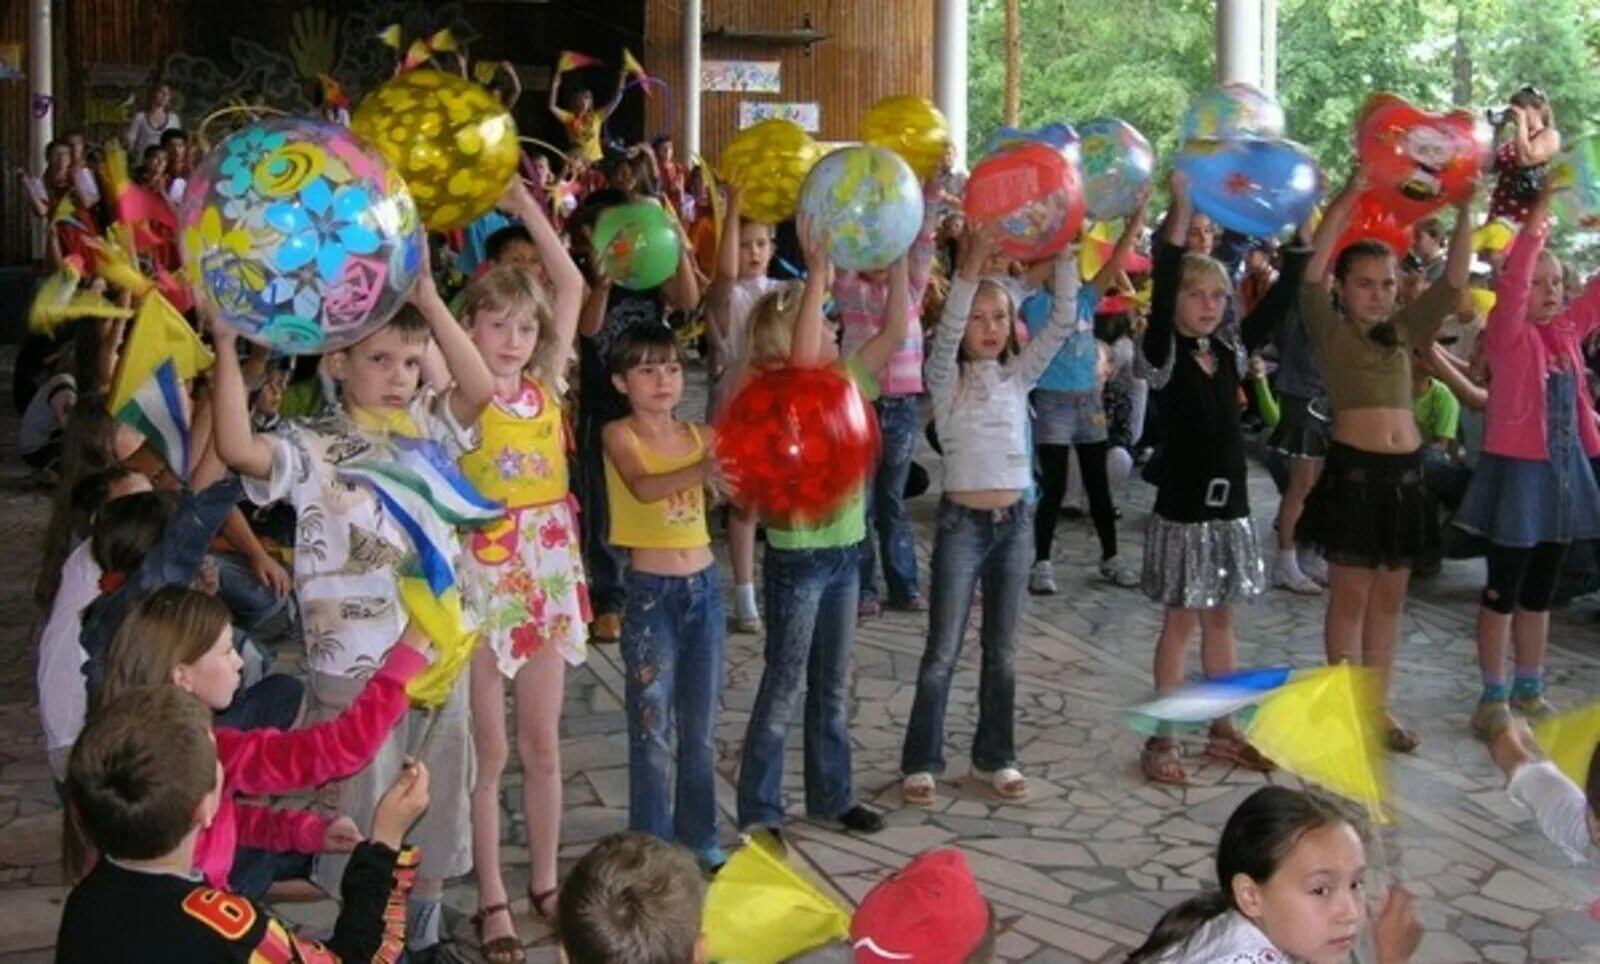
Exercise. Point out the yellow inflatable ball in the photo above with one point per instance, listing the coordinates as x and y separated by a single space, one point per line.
454 144
911 127
768 163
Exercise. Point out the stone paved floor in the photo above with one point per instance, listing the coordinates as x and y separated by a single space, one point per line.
1080 871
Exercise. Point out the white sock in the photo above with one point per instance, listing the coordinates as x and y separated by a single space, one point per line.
422 921
744 601
1287 560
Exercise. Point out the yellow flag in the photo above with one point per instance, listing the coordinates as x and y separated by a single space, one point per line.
390 36
1495 236
440 619
1098 243
760 911
1570 740
443 41
484 70
159 335
1322 726
631 64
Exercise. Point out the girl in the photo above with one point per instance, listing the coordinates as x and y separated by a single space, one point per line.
979 387
1520 163
524 576
1290 876
149 124
185 637
1533 493
1368 513
673 635
810 576
1200 546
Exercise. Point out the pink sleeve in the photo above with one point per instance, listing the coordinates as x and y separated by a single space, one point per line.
920 265
278 761
279 831
1512 291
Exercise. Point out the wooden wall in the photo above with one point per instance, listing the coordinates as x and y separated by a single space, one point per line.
874 48
15 117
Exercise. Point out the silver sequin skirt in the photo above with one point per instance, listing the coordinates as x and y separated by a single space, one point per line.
1202 565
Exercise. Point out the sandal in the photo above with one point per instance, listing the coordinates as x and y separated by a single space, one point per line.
1161 763
919 790
506 949
539 904
1398 739
1226 745
1008 783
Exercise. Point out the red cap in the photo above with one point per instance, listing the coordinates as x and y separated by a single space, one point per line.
928 913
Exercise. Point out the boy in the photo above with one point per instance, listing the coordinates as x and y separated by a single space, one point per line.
672 628
143 781
633 899
349 551
1568 816
930 912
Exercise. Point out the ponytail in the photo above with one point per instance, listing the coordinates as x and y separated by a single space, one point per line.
1179 924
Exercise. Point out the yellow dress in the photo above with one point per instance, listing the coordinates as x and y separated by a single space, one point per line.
583 132
524 576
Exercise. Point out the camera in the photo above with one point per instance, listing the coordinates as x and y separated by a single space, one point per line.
1498 116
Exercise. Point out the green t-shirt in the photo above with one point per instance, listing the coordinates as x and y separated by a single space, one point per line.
847 526
1438 412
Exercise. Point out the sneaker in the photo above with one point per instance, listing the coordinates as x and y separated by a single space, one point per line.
918 603
868 607
1292 579
1042 579
1314 567
1118 573
773 836
1532 707
1490 719
746 625
857 819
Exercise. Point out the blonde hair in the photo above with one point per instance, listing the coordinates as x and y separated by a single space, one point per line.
514 288
1201 267
771 327
173 626
1004 294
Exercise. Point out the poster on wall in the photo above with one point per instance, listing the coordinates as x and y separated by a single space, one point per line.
744 76
11 61
807 115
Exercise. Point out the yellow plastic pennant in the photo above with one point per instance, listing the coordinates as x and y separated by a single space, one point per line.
1322 726
441 620
759 910
160 334
1570 740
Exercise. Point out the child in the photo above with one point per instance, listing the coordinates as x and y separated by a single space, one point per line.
861 298
661 890
523 575
930 910
1532 494
145 781
1200 544
979 386
1369 514
672 628
183 637
742 261
348 551
584 124
1290 872
1568 816
810 576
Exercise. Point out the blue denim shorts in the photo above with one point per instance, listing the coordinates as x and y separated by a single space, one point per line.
1068 418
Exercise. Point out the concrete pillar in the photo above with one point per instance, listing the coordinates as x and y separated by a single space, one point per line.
691 79
950 71
41 90
1238 29
1269 46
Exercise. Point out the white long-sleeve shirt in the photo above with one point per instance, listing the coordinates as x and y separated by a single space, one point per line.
981 408
63 693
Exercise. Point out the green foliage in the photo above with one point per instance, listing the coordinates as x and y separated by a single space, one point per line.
1142 60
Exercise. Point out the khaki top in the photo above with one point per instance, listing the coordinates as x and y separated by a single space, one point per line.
1360 372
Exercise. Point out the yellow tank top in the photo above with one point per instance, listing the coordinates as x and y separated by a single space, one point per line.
523 458
676 522
583 130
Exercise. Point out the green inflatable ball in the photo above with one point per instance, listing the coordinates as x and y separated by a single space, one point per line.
637 245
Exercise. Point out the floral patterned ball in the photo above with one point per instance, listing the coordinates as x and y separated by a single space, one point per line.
300 236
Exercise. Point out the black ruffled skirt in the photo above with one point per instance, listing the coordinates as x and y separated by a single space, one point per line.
1369 510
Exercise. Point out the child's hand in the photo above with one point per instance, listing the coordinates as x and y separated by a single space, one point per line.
272 575
208 579
1256 368
517 199
814 243
424 289
414 637
1396 931
401 805
977 246
341 836
722 485
1178 186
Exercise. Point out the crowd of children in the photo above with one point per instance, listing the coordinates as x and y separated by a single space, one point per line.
165 598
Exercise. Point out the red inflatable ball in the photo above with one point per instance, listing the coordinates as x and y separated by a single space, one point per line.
1373 221
1416 161
1033 193
797 443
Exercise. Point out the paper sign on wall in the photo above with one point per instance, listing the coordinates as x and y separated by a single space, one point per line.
807 115
747 76
11 61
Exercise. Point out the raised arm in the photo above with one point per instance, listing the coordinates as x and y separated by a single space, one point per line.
1334 222
1263 320
647 486
1458 266
515 93
682 290
236 442
616 99
558 265
810 328
1111 271
718 297
474 384
878 349
555 99
1537 148
944 352
1514 286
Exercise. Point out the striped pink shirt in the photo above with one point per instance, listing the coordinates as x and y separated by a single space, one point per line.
862 298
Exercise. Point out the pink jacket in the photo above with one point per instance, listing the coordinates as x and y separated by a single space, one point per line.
862 298
262 762
1514 419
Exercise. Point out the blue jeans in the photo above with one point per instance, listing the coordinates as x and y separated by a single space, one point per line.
273 703
810 597
255 607
972 545
672 642
899 418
